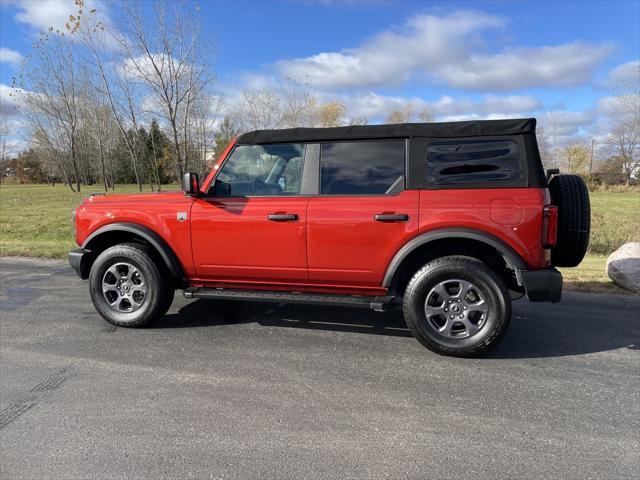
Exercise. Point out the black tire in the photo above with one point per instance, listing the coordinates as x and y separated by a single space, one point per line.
158 294
488 286
570 194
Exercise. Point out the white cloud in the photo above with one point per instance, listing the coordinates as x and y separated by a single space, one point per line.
16 139
11 118
445 49
142 67
559 66
376 107
627 73
566 124
10 56
392 58
10 100
490 105
43 14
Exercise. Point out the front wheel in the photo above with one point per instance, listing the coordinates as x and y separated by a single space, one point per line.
128 288
457 306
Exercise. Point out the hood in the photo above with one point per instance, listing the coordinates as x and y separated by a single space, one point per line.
135 198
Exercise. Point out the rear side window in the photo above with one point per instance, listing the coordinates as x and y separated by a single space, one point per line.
361 168
462 162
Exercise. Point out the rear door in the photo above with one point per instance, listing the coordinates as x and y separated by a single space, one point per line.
362 215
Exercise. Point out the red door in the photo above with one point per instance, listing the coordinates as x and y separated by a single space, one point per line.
352 240
250 239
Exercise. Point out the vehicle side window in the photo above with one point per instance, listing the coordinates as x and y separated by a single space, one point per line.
472 161
361 168
262 170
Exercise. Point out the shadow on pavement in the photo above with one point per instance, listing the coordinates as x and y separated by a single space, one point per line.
588 324
208 313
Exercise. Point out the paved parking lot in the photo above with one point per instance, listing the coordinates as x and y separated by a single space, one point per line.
221 390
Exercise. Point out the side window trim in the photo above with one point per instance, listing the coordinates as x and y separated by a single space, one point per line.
210 190
310 183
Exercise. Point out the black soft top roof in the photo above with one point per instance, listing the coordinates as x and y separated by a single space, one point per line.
473 128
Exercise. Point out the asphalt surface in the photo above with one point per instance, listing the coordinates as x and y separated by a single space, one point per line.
222 391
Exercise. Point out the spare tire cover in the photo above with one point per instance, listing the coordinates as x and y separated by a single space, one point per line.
570 194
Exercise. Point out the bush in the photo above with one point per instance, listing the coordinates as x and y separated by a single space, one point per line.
609 233
619 188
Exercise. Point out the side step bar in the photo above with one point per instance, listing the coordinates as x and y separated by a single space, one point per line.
379 304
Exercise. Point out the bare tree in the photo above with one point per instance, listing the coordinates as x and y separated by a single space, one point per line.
299 105
49 81
408 114
166 55
331 114
624 139
551 130
203 125
258 110
4 134
577 158
115 87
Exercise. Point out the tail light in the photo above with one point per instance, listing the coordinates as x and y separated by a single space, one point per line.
549 226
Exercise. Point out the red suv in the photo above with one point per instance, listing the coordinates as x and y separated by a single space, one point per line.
450 220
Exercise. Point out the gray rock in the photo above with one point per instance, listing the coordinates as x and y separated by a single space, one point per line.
623 266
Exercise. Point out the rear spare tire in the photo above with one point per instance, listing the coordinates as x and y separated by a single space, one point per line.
570 194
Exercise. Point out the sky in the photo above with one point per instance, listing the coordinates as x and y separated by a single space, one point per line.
459 60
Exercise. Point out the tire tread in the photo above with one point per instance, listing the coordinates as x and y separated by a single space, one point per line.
570 194
164 296
470 264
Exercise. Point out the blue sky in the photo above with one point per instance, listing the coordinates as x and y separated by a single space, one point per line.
456 59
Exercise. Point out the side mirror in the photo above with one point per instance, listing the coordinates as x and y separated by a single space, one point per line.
221 189
191 184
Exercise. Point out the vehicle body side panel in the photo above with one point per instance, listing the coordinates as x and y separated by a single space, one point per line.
513 215
233 240
346 246
156 211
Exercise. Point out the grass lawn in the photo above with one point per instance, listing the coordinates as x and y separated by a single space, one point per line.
35 221
590 276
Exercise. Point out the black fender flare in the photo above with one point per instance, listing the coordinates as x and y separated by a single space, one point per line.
510 255
156 241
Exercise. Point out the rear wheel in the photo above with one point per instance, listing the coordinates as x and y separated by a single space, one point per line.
127 286
457 306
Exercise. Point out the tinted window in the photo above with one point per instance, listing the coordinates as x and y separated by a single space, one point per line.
361 168
263 170
472 161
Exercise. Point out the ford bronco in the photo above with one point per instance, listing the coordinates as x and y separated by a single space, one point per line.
449 220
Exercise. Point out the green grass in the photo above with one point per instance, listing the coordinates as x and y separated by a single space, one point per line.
35 221
590 276
615 220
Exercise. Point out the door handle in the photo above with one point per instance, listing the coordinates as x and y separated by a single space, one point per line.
282 217
391 217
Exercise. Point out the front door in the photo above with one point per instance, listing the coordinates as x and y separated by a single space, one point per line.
251 227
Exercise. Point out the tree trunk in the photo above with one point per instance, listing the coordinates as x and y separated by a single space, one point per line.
74 161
